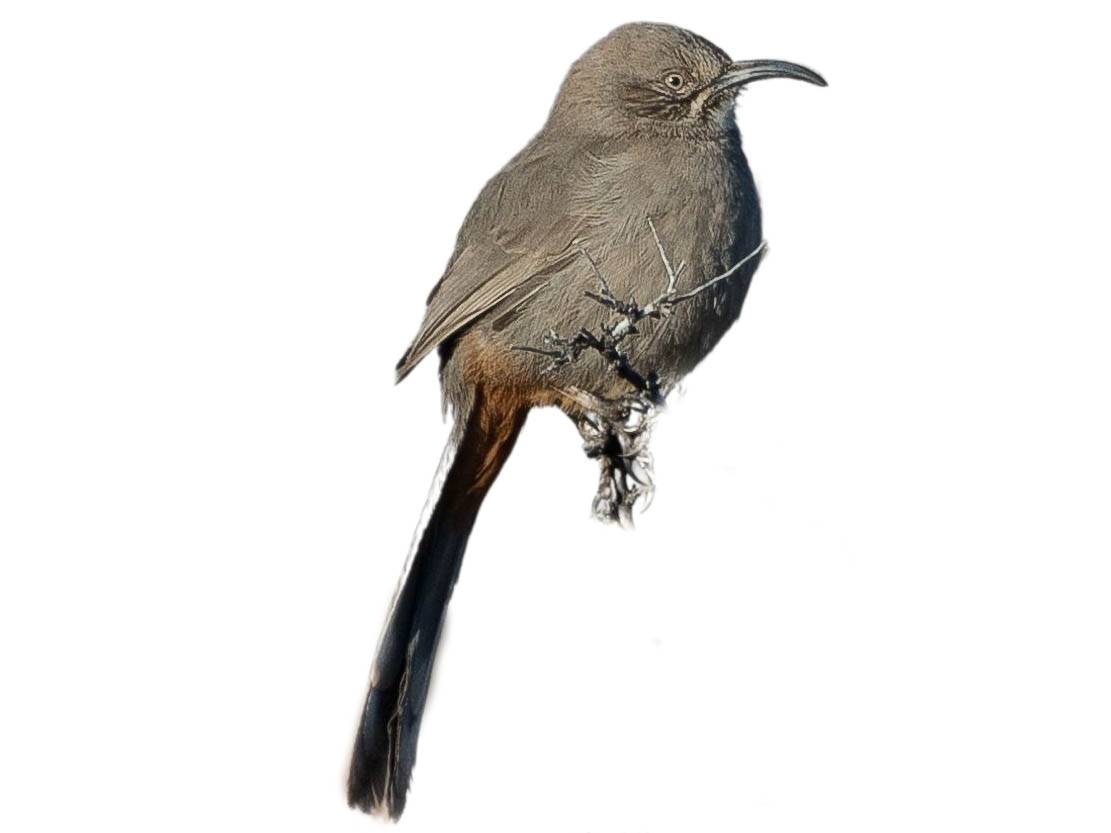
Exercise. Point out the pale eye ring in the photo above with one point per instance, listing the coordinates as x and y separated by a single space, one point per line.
674 80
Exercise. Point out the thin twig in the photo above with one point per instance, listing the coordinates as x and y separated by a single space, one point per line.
672 276
732 270
597 273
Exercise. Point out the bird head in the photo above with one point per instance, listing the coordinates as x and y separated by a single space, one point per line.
651 77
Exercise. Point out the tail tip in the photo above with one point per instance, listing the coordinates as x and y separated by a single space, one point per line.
362 797
370 788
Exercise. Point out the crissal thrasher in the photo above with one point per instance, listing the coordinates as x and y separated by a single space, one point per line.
641 146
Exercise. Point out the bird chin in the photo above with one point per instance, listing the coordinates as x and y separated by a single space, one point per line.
723 113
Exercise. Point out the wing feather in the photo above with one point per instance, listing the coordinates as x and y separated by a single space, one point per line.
452 307
518 234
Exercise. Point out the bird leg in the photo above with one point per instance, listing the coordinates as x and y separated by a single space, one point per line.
616 433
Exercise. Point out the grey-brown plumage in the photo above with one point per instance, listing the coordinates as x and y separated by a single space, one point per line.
643 129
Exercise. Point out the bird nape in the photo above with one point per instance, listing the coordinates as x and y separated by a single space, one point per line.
636 187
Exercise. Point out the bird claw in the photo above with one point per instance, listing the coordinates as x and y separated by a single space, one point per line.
616 434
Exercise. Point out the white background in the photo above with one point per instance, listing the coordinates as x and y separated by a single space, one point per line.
872 593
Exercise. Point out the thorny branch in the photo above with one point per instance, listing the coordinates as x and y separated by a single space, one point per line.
616 433
563 351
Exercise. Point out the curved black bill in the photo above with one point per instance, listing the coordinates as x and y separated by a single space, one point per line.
739 73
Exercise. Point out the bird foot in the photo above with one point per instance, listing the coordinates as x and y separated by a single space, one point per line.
616 433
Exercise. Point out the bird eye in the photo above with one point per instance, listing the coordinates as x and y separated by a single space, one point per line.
674 80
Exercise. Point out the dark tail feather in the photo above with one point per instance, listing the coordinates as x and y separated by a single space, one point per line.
386 744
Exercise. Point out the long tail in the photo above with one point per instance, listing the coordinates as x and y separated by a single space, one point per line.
386 744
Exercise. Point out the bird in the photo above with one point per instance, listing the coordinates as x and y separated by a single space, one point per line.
636 187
